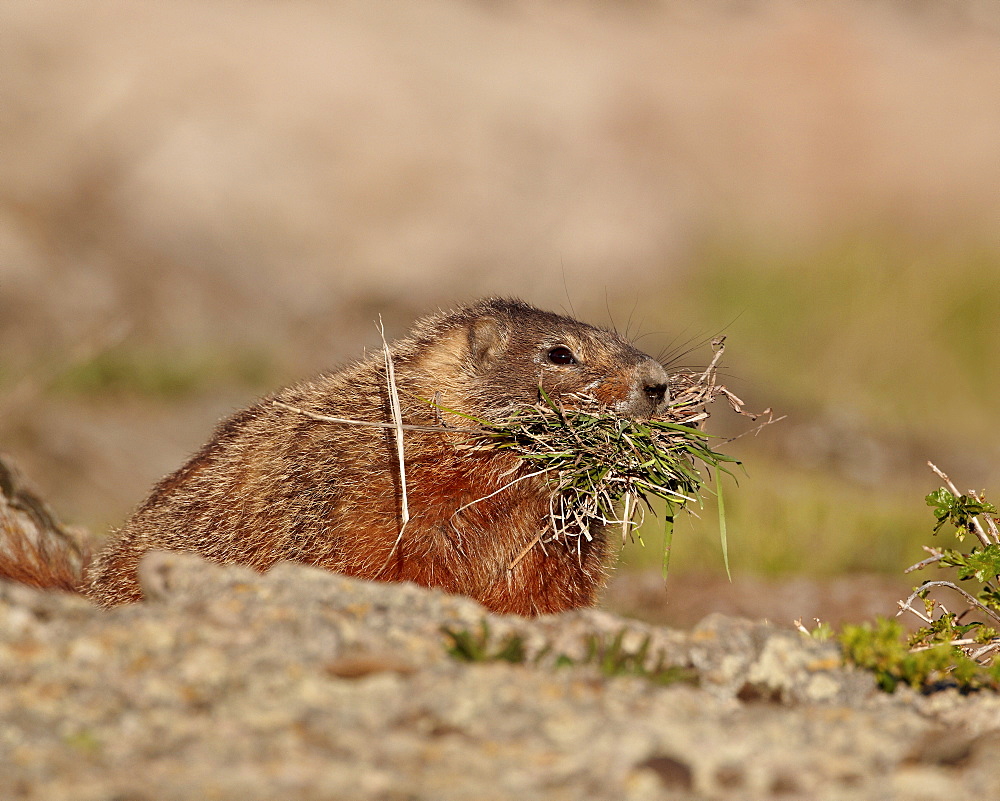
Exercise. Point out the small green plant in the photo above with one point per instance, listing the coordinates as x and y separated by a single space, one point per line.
822 632
921 664
959 510
952 646
613 659
467 646
609 657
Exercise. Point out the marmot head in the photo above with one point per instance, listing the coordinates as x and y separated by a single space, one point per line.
507 349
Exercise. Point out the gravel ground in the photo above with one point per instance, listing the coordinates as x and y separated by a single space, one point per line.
303 684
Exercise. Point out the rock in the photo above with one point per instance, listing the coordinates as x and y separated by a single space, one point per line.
303 684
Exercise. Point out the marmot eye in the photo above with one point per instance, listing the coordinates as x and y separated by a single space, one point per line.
561 355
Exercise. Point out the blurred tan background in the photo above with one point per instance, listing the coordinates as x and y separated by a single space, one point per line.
200 201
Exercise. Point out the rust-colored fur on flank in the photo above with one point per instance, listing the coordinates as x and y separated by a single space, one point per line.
279 483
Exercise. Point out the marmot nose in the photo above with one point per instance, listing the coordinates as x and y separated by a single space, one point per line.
654 384
655 392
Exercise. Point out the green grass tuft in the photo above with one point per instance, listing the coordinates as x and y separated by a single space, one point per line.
882 649
608 469
609 657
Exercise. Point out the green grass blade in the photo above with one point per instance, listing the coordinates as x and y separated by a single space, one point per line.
722 524
668 538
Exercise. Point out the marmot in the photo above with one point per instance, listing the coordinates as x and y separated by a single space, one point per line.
278 482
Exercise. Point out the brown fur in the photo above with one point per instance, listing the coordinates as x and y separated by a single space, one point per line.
35 549
45 564
276 484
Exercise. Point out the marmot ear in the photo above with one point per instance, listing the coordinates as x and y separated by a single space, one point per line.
487 340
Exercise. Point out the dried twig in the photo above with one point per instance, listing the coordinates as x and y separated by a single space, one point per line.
397 418
935 556
971 599
325 418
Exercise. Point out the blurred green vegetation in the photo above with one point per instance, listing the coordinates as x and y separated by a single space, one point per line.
164 375
898 337
782 521
903 333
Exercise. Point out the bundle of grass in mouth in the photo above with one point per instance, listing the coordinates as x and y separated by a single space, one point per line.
603 468
606 468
